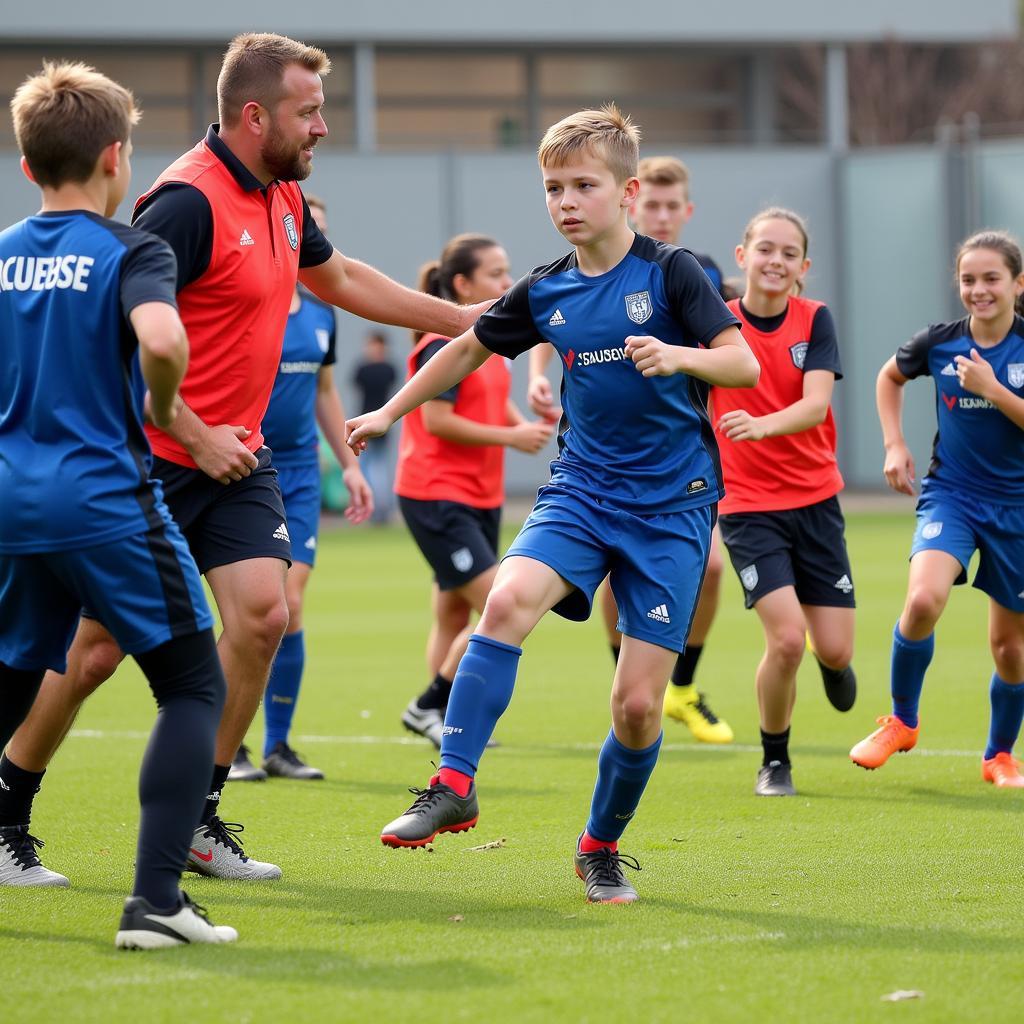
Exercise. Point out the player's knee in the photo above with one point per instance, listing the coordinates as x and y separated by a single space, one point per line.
835 652
264 623
294 605
923 607
713 573
787 645
1008 655
636 711
95 666
503 611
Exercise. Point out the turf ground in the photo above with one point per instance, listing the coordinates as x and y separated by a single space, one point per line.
805 909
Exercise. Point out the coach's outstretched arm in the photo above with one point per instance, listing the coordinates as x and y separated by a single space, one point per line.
457 360
360 289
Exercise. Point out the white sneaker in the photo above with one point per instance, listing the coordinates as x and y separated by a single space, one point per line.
217 853
427 722
144 927
19 862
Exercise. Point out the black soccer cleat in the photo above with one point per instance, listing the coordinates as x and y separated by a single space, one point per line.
242 768
438 808
145 927
775 779
602 875
284 763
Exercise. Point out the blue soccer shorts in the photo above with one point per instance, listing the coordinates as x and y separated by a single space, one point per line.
300 489
960 524
145 589
656 562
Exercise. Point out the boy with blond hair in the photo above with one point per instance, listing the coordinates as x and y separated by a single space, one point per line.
633 490
79 295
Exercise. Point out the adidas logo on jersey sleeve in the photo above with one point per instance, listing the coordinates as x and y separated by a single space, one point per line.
557 320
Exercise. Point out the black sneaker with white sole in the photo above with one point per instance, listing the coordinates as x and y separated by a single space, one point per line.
284 763
145 927
243 770
775 779
438 808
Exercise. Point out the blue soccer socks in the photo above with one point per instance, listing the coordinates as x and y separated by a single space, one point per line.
1007 713
910 661
283 690
480 693
622 775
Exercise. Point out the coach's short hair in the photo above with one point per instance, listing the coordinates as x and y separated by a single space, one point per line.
664 170
65 116
254 67
606 133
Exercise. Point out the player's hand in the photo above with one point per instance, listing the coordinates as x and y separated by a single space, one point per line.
976 374
540 399
468 315
899 468
160 416
360 429
653 358
360 496
220 454
739 425
532 436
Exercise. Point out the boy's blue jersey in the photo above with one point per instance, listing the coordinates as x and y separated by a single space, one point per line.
977 449
74 461
289 426
642 444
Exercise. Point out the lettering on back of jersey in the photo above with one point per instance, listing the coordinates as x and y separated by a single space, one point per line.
798 353
639 307
44 273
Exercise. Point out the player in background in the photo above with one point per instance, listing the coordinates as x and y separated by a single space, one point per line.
232 211
972 497
450 479
304 396
375 377
80 295
780 518
661 211
633 489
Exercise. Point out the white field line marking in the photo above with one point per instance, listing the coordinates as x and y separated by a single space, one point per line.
407 741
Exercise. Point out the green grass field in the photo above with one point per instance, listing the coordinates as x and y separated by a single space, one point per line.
805 909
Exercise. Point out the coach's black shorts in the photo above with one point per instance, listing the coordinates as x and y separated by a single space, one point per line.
458 541
803 548
225 523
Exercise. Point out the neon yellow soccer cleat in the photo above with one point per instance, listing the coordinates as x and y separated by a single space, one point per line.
686 705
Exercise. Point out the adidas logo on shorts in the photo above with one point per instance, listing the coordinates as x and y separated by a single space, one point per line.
281 533
659 614
843 584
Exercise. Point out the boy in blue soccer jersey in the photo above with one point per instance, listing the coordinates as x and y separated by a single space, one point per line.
304 395
79 294
972 497
633 490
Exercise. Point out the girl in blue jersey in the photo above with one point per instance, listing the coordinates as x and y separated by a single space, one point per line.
972 497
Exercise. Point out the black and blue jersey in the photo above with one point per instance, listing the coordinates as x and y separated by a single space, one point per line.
977 450
289 426
74 461
641 444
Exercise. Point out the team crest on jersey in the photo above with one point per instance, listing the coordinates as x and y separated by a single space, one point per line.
290 231
638 307
1015 374
323 339
798 353
749 577
931 530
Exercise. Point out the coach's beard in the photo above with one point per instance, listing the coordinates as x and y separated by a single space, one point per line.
285 162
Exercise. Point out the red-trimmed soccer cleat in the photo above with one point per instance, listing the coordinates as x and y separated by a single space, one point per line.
602 875
1003 771
438 808
894 737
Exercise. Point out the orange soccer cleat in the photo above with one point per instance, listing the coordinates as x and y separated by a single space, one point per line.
893 737
1003 770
